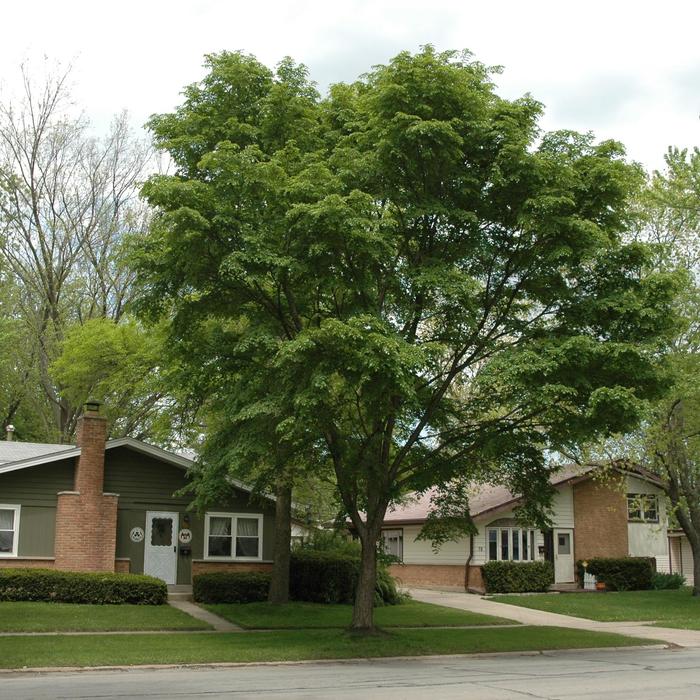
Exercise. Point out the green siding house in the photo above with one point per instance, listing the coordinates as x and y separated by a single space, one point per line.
122 505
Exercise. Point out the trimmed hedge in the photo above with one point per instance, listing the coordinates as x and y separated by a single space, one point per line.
621 574
323 577
517 577
327 577
231 587
74 587
314 576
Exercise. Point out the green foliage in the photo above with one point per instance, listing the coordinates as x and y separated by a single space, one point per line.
669 442
667 582
231 587
400 282
320 576
621 574
517 577
316 575
120 364
323 577
332 542
72 587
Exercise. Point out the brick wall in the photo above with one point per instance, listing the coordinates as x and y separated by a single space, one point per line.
207 567
86 518
28 563
600 519
439 575
122 566
475 580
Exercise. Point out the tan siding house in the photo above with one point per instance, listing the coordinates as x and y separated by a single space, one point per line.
616 516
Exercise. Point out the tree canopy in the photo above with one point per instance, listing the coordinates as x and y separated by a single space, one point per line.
404 280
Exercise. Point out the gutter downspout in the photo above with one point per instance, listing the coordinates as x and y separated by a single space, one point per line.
468 562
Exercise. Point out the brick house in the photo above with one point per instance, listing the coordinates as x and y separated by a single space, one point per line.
117 506
623 514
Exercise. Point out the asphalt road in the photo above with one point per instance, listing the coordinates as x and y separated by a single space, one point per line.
641 674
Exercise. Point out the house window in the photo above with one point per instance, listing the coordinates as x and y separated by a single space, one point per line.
510 544
643 507
9 529
392 541
231 536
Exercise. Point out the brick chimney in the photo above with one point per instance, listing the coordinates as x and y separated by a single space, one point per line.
91 439
86 518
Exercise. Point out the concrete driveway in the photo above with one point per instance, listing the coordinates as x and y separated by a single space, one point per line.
526 616
630 674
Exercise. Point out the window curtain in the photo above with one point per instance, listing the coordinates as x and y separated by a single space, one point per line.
220 527
219 544
247 527
247 544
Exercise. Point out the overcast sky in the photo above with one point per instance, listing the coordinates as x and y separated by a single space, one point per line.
625 70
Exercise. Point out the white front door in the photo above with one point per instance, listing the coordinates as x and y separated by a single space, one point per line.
160 551
563 556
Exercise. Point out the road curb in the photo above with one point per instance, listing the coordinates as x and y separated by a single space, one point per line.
305 662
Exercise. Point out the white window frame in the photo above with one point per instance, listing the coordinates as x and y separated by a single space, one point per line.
234 534
526 531
399 532
15 531
640 500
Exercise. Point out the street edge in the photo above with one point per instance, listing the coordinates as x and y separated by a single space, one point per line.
304 662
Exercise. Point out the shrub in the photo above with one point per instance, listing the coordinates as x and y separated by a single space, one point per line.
667 582
314 576
323 577
386 592
517 577
327 577
73 587
623 573
231 587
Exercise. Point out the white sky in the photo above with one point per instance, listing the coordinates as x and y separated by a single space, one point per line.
626 70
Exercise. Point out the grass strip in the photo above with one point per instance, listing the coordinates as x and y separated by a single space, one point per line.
668 608
289 645
298 615
69 617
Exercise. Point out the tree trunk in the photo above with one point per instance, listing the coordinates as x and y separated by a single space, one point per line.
696 566
363 610
279 585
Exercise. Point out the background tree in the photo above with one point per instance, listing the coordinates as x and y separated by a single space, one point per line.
434 292
669 442
121 364
66 200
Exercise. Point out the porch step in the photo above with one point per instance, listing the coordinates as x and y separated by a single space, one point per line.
564 587
180 592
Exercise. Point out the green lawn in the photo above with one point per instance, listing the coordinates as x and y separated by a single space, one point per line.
666 608
318 615
67 617
288 645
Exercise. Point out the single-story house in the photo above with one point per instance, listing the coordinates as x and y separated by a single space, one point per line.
623 514
117 506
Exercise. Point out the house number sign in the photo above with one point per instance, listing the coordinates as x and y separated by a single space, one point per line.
185 536
136 534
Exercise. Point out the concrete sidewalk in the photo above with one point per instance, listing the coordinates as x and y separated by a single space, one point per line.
219 624
527 616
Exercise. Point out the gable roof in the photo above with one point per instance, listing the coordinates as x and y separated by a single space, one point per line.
11 451
32 454
487 499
